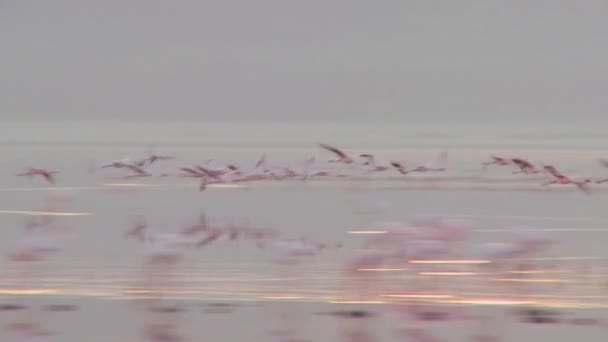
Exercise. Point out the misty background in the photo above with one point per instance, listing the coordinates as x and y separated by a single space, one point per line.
407 61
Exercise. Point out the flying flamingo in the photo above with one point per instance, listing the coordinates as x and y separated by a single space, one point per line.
496 161
524 166
399 167
198 172
437 165
211 235
138 171
559 178
46 174
139 162
156 157
305 170
342 157
371 163
118 163
261 164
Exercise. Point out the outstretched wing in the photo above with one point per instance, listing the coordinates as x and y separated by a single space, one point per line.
49 177
522 163
552 170
191 171
137 169
399 167
261 161
334 150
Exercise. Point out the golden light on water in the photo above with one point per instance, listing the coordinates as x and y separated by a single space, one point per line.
455 261
532 280
419 296
545 230
448 273
45 189
560 258
356 302
535 272
492 301
27 292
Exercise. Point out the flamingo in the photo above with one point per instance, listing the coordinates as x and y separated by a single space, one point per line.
496 161
46 174
196 172
399 167
117 163
138 171
438 165
139 162
559 178
211 236
342 157
524 166
305 170
371 163
155 157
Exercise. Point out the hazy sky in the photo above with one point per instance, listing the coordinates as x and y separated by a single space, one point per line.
419 60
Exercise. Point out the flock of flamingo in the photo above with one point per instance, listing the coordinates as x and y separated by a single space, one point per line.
364 164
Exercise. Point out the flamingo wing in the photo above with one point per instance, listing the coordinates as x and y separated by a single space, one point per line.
49 177
335 150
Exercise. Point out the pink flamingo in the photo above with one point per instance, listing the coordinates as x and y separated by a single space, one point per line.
342 157
497 161
524 166
559 178
46 174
